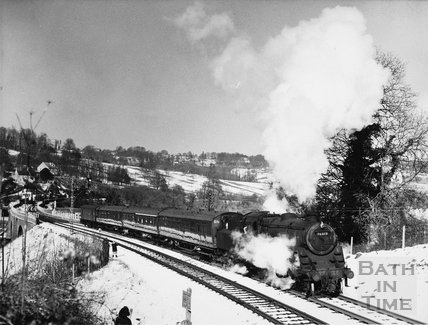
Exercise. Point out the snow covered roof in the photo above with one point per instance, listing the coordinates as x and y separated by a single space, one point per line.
43 165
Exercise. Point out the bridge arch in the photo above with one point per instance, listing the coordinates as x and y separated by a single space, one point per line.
19 219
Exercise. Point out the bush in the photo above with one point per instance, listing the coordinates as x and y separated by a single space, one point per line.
44 303
50 296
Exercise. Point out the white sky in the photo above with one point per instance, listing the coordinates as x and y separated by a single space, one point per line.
122 73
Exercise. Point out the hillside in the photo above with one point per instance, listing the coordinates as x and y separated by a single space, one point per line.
192 183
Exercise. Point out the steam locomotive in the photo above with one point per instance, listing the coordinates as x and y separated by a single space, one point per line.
321 261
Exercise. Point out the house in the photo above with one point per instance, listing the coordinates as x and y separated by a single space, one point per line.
50 166
243 161
133 161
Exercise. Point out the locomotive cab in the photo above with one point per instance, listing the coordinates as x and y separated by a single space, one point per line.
228 223
252 221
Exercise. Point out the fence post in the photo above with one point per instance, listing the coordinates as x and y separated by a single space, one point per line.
352 243
384 240
403 243
425 236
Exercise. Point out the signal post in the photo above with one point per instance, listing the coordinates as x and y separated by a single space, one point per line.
187 304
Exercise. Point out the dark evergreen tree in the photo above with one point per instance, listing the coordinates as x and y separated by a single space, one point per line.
361 179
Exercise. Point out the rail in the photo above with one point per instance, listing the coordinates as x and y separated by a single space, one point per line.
355 309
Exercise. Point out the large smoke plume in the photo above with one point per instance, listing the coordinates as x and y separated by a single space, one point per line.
306 83
318 77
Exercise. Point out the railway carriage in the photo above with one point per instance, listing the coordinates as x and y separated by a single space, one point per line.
189 228
88 214
110 216
139 220
200 230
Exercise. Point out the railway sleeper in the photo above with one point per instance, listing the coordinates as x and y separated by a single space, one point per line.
254 299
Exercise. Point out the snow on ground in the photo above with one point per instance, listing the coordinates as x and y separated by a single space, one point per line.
155 293
262 175
245 188
189 182
42 242
137 175
193 182
396 280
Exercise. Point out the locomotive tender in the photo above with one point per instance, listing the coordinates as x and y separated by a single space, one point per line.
322 265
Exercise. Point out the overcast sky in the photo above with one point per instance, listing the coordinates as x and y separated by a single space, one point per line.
140 72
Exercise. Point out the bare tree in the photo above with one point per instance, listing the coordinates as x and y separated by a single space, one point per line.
392 150
403 136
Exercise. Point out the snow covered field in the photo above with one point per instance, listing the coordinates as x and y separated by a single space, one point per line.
155 294
193 182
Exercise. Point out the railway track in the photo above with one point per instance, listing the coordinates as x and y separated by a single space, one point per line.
351 307
275 311
385 316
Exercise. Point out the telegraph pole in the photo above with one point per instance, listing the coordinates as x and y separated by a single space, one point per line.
24 254
24 235
2 233
72 203
72 193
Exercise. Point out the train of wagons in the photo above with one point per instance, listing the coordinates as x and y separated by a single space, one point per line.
321 269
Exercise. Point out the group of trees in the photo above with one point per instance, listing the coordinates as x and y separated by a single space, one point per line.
235 159
365 192
92 167
118 175
34 149
225 162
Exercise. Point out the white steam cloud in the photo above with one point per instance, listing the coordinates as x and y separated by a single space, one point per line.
271 253
306 83
274 205
198 25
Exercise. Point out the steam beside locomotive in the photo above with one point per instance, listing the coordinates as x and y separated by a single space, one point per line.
321 265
